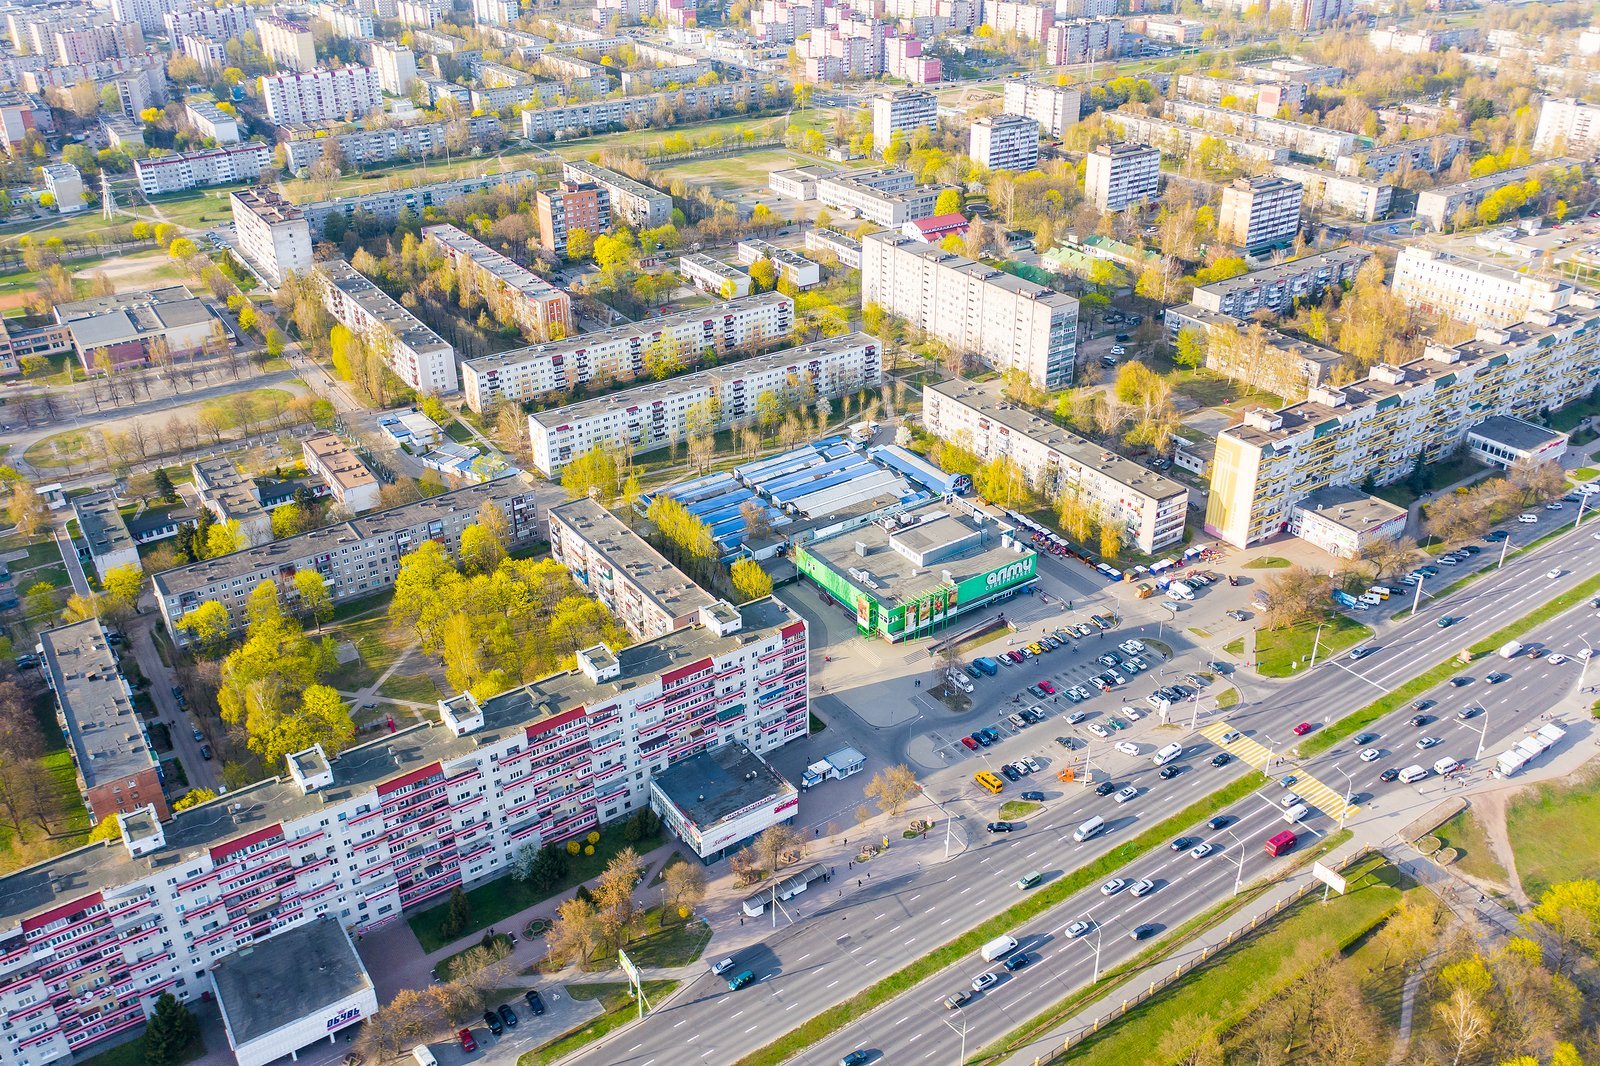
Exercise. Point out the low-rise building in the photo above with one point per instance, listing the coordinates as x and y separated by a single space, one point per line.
121 328
710 275
210 120
887 197
669 412
418 356
1332 194
1343 521
1276 288
1501 441
798 183
105 533
618 353
1150 508
800 272
824 242
1473 291
935 228
509 288
111 750
205 166
62 181
718 801
234 497
350 480
645 592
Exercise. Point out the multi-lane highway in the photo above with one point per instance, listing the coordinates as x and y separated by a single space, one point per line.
838 946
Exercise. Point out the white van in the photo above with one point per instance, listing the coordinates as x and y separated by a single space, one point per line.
1088 829
1412 774
1179 591
999 948
1371 599
423 1056
1295 813
1167 754
1446 765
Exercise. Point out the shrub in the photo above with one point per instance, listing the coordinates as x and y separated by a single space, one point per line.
573 847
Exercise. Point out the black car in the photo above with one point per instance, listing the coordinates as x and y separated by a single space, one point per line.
205 752
492 1020
1105 788
1169 772
1364 738
1457 682
1222 758
999 827
1497 677
1419 720
534 1000
1010 774
1017 962
1181 844
1219 821
508 1016
177 693
1472 549
1422 705
1389 774
1033 797
1142 932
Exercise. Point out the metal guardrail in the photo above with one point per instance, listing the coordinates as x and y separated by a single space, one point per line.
1161 983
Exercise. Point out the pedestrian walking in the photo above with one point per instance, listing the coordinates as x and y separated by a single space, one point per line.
858 882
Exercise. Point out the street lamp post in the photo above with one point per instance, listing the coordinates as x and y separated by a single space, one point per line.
1483 730
1316 643
1349 784
1421 580
1238 877
1099 937
1503 546
963 1032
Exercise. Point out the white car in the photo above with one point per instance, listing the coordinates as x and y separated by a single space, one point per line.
1527 519
1077 929
984 980
1127 747
1552 575
1127 794
1032 764
1371 755
1557 659
1142 886
1200 851
1230 736
1113 886
1553 505
1099 730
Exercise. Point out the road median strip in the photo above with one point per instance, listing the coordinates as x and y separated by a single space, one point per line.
837 1017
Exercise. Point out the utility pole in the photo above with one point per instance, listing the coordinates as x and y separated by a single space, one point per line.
1503 546
1422 579
1316 643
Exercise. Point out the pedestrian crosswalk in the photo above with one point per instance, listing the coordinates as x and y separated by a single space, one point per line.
1323 797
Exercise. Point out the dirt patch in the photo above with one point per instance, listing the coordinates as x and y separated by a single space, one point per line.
1490 807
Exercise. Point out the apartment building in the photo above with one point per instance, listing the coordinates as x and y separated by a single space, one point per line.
1277 288
1328 193
388 205
1380 428
847 250
1427 154
1178 140
1119 175
1420 42
617 354
274 236
111 749
1567 127
1004 142
1439 207
287 44
494 12
600 116
568 208
64 182
16 341
793 267
714 276
663 413
1318 142
320 95
1268 98
798 183
105 533
205 166
396 67
1027 20
150 15
903 112
209 120
1007 322
209 52
358 557
1151 508
423 13
1055 108
350 23
1259 214
231 496
1083 41
887 197
1471 290
88 42
350 480
636 203
507 287
353 840
616 566
417 355
219 23
1283 365
360 147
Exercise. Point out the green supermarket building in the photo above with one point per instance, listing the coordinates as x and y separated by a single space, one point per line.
913 574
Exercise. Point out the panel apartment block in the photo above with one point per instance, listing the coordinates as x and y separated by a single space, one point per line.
1259 214
617 113
1472 291
388 205
111 750
287 44
1177 139
887 197
1570 126
1054 107
206 166
1117 176
570 207
1381 427
617 354
1318 142
902 112
1004 142
1334 194
1276 288
92 937
319 95
417 355
662 412
536 305
1439 207
1151 508
645 592
357 558
1005 321
636 203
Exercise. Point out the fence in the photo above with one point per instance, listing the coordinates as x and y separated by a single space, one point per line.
1161 983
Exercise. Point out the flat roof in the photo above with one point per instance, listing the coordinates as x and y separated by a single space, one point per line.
1515 433
719 783
227 487
102 523
407 327
1294 268
287 977
989 275
1496 180
339 462
1349 509
502 267
358 770
987 399
645 568
104 730
611 178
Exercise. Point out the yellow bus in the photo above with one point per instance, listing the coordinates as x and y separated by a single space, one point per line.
988 781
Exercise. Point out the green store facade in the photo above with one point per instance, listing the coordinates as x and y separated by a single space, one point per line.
930 611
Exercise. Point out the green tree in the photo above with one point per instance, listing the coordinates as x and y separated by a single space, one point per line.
163 486
750 581
39 604
193 798
597 469
948 202
481 550
763 275
457 915
170 1032
315 599
580 244
1190 348
122 586
224 538
207 625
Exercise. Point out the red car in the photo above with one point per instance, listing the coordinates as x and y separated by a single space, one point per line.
1015 657
1048 687
467 1042
1302 729
972 745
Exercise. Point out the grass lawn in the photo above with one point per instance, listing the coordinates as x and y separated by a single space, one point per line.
1228 697
132 1054
1207 388
667 940
64 811
1282 652
772 126
1242 978
1567 419
377 648
1465 834
1551 834
418 688
1585 473
728 173
72 447
495 901
1234 646
458 432
616 1001
40 553
197 208
447 965
1435 476
1268 562
1018 808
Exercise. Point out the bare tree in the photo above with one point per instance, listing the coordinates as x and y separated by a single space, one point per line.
772 843
892 788
683 886
1464 1019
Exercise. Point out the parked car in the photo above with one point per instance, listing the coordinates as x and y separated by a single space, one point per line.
468 1043
534 1000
